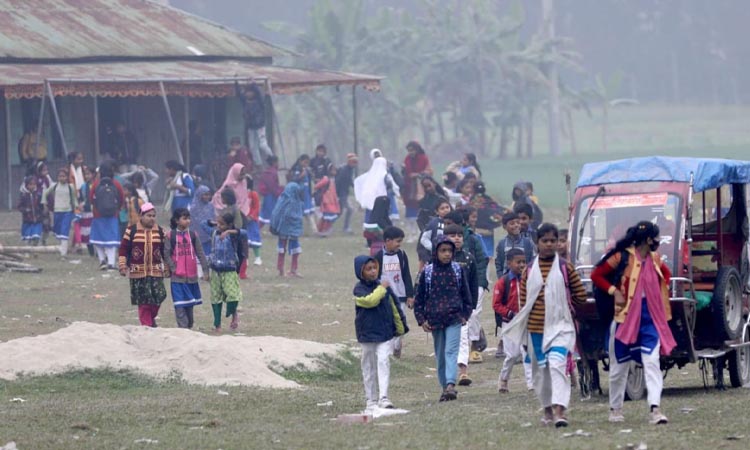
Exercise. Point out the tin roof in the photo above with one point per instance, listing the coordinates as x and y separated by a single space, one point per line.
183 78
91 29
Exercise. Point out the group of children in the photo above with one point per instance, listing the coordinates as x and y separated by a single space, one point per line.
534 302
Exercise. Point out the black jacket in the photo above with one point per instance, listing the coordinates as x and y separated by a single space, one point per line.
466 260
380 322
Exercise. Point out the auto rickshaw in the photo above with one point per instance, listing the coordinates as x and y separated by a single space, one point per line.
701 207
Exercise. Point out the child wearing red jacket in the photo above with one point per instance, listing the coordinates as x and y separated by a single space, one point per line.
505 304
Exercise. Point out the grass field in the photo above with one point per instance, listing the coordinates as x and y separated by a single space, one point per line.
113 410
100 409
694 131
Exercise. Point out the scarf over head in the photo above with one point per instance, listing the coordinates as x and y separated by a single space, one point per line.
286 218
371 184
443 281
239 186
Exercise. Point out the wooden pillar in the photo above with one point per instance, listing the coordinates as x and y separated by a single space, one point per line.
97 143
171 122
186 105
354 114
8 162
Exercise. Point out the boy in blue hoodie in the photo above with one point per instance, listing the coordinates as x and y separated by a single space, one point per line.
378 320
442 305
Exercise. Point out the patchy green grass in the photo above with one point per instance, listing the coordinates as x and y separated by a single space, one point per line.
105 409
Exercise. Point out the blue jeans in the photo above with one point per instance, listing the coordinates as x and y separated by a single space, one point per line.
446 342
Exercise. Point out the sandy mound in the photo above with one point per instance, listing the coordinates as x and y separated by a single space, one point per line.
159 352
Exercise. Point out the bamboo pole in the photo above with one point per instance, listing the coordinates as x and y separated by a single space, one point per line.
30 249
53 107
171 122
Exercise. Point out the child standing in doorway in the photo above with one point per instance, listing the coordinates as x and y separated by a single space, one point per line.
377 321
184 251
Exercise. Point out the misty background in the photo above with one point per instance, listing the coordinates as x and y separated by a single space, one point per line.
630 77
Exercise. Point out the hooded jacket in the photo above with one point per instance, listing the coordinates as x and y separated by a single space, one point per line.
443 297
377 318
286 219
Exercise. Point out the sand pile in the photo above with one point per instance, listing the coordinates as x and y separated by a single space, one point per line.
160 352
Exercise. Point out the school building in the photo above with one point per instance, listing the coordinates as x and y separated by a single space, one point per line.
83 66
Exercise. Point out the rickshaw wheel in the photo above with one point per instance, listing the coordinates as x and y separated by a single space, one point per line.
726 304
739 363
635 389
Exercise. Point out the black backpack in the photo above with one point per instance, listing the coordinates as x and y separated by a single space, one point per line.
605 303
107 198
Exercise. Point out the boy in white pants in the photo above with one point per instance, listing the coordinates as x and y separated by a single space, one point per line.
505 304
378 320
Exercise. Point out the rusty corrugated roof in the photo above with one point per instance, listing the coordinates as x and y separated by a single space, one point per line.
88 29
140 78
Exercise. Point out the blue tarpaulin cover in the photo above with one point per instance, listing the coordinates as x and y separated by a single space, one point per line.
709 173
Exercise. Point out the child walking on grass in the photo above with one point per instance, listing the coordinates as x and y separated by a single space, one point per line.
269 188
328 200
377 222
378 320
184 251
442 305
393 267
286 223
254 239
550 287
31 212
228 251
60 199
505 304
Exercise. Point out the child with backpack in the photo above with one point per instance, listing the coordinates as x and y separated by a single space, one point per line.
183 251
442 304
60 199
286 223
202 210
141 258
393 266
432 232
269 188
640 330
252 227
505 304
514 239
107 197
180 186
228 251
550 288
328 201
378 320
31 211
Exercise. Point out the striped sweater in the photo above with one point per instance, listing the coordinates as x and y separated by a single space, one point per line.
577 291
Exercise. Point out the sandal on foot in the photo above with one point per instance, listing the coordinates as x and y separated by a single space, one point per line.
464 380
450 394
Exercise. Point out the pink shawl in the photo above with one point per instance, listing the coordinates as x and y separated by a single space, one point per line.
650 284
238 186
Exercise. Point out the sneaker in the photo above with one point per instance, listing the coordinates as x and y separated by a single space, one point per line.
657 418
561 422
503 389
450 393
103 266
615 416
258 261
475 357
385 403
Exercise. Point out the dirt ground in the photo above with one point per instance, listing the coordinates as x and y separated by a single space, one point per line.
116 409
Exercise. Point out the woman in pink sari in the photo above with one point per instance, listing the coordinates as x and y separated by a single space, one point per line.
416 165
640 331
